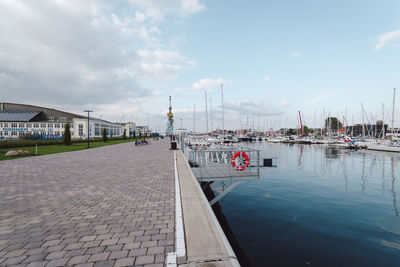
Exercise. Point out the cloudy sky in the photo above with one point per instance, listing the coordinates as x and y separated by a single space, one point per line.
124 58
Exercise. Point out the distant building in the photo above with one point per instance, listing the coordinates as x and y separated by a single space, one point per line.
374 130
20 120
144 130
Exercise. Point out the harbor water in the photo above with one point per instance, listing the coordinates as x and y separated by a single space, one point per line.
319 206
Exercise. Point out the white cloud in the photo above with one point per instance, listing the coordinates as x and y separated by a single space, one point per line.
257 108
208 83
158 9
295 54
385 38
74 53
266 78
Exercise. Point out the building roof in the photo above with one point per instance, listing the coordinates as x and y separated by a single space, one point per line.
18 115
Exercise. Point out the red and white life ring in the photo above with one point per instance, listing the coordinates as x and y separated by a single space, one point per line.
240 161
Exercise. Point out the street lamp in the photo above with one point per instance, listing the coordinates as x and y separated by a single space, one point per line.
88 139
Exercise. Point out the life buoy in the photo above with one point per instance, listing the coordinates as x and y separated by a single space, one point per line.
240 161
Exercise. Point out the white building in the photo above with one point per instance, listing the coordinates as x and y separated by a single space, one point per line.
19 120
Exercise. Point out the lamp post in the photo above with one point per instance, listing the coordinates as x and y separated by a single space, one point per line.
88 135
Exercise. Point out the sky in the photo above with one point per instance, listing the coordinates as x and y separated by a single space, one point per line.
123 59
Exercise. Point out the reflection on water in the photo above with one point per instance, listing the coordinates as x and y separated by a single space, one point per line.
320 207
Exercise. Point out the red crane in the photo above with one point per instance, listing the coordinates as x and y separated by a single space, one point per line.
301 123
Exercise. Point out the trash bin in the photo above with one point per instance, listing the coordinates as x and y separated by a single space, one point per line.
173 146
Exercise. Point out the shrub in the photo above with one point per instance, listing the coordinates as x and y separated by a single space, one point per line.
67 134
104 135
124 135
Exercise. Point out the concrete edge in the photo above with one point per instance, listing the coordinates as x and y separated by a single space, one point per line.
231 253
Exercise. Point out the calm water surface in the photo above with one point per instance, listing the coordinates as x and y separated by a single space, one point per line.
318 207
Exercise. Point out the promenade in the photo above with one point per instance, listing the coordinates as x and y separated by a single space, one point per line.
108 206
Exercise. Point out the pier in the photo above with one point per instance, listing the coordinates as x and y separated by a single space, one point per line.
108 206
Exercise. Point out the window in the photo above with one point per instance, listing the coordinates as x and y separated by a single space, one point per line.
50 125
63 125
1 133
29 125
43 125
51 118
57 125
5 133
36 125
14 133
43 133
63 119
80 129
14 125
1 124
21 133
21 124
6 124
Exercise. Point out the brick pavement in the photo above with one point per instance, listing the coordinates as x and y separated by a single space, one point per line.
109 206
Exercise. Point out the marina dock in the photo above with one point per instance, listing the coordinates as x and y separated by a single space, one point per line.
108 206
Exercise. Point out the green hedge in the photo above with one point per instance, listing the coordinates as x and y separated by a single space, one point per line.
25 143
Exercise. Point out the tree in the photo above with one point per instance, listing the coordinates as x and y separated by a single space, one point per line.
306 130
104 135
124 134
332 123
67 134
134 135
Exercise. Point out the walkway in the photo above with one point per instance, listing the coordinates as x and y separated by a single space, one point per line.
109 206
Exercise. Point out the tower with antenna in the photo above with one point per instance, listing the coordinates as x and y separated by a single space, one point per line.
170 125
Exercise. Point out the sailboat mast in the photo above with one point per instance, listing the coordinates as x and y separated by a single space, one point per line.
394 97
205 95
383 121
194 118
222 110
363 126
211 116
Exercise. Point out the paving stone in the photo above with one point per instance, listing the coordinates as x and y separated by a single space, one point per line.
33 258
37 264
85 265
88 238
147 244
109 263
154 265
57 262
50 243
144 259
114 248
56 255
75 252
118 254
95 250
156 250
124 262
137 252
99 257
160 258
131 245
108 242
78 260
